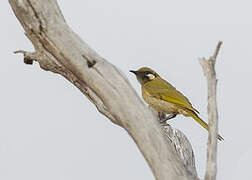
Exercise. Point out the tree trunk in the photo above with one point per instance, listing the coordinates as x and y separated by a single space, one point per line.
58 49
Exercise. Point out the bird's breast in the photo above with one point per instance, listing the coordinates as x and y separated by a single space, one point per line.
159 104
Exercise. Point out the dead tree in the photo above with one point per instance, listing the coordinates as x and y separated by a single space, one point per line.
58 49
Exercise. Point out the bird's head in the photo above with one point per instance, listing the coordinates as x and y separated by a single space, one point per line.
145 75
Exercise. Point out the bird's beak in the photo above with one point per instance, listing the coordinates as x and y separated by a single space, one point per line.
135 72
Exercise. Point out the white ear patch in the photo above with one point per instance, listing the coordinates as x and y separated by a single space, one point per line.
151 76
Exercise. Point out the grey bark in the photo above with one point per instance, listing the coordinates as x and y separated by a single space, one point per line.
208 66
58 49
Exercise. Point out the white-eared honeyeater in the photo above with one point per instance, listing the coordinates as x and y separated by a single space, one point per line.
164 98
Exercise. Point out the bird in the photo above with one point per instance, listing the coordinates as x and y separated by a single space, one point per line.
165 98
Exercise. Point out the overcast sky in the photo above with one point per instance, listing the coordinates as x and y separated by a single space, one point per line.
49 130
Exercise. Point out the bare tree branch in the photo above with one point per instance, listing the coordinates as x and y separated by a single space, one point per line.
179 141
58 49
208 67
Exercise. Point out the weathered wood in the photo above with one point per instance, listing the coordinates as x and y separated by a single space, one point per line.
208 67
60 50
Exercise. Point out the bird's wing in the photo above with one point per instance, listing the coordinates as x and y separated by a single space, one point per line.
163 90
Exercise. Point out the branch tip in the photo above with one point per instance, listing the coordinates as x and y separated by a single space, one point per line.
19 51
216 52
28 57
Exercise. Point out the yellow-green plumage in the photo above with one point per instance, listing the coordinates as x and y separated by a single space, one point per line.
163 97
161 89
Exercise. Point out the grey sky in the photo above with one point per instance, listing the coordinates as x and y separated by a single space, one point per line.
49 130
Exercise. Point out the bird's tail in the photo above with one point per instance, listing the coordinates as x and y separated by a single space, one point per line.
201 122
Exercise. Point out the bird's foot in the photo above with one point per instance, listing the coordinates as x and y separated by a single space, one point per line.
170 116
163 118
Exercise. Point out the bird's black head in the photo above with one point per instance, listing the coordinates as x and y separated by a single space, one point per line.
144 75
